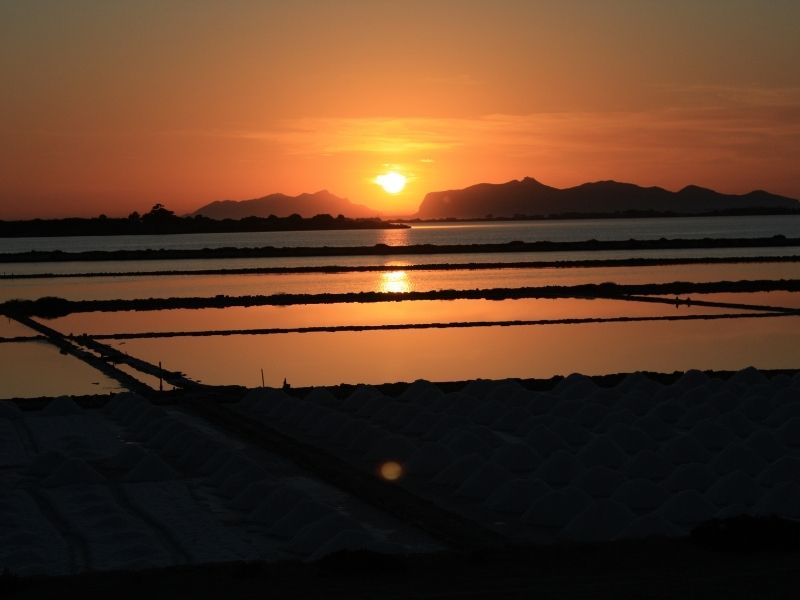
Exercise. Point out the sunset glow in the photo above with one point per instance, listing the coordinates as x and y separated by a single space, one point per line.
391 182
112 110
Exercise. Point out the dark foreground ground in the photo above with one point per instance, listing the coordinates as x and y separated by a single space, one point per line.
752 559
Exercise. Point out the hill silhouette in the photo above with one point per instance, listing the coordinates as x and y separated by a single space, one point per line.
281 205
529 197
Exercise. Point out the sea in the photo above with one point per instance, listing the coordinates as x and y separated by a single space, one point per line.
403 339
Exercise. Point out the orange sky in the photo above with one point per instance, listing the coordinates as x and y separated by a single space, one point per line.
113 106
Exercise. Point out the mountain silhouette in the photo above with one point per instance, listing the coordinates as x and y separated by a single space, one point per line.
529 197
281 205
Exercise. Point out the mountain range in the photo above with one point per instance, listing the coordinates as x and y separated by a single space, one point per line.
281 205
529 197
524 197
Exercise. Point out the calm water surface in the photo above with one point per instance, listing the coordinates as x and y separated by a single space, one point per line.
452 233
492 352
397 280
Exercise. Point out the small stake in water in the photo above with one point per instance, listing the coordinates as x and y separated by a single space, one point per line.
160 382
262 378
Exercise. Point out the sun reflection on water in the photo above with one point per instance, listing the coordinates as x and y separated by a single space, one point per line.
394 282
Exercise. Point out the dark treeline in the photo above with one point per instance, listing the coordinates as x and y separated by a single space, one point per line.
51 307
471 266
777 241
160 220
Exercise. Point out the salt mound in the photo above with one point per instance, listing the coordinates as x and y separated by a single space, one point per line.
517 458
480 485
323 397
736 488
263 399
687 509
738 457
512 419
502 390
655 427
128 457
125 402
253 494
70 472
421 424
315 535
461 442
648 465
421 392
725 400
349 539
748 377
784 470
541 403
694 476
782 501
647 526
300 515
152 468
458 472
9 410
685 449
393 448
591 414
784 413
544 441
46 463
575 386
599 481
641 495
670 412
631 439
347 432
277 504
599 522
765 444
602 452
61 407
457 403
478 387
363 396
691 379
559 469
789 434
638 402
430 459
554 510
517 496
572 433
487 413
712 435
697 414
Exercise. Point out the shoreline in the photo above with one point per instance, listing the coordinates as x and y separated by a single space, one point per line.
776 241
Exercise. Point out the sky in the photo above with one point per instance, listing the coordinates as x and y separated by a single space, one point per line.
111 107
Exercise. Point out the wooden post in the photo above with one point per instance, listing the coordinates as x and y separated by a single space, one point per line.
262 378
160 381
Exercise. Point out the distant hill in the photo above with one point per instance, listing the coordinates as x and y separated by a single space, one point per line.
529 197
281 205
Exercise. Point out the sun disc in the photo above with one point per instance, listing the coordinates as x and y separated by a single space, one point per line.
392 182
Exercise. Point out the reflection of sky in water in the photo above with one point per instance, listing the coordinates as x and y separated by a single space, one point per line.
394 282
31 369
489 352
422 280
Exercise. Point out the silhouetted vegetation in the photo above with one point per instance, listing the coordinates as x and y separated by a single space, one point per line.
556 264
50 307
160 220
777 241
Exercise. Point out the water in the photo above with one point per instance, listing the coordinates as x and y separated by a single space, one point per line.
395 280
493 352
36 368
445 233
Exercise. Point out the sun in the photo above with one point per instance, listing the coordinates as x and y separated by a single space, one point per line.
392 182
